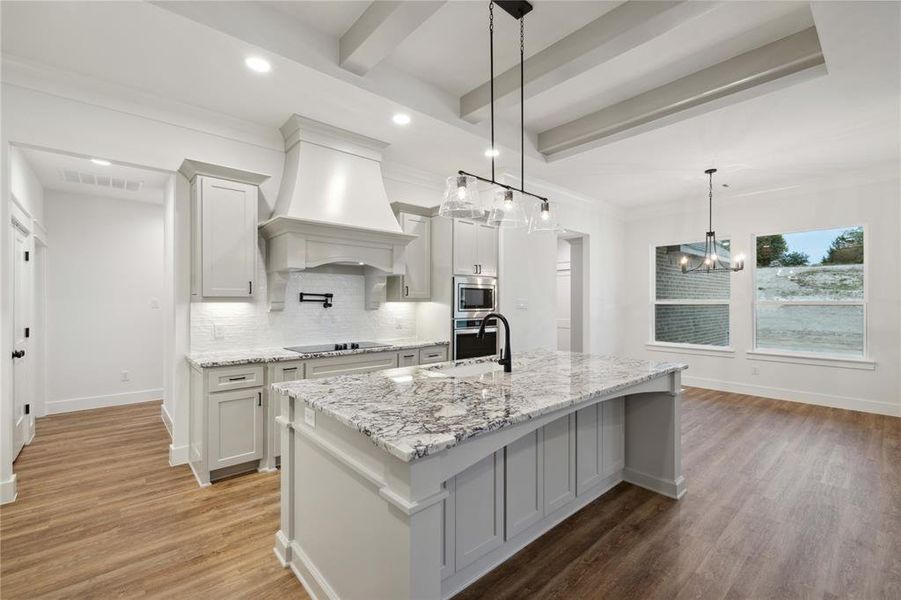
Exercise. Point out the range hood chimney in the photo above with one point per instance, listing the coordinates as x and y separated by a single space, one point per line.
332 209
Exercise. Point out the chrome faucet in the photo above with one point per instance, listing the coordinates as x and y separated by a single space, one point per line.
506 356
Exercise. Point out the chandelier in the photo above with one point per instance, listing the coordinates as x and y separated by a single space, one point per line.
713 253
461 196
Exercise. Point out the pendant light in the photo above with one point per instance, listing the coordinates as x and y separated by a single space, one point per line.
713 259
543 218
461 198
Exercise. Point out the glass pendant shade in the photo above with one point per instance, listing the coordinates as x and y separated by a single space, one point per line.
461 198
543 217
506 210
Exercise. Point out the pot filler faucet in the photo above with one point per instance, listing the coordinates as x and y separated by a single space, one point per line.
506 356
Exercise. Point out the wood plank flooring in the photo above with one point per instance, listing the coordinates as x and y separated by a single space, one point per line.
101 514
784 501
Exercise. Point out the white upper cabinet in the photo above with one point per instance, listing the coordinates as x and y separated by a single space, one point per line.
475 248
225 233
418 275
486 249
465 252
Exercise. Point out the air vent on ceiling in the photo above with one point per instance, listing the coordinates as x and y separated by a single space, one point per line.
115 183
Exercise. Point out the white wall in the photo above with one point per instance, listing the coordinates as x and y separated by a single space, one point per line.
874 205
528 266
104 272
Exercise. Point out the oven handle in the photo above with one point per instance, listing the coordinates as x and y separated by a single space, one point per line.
475 330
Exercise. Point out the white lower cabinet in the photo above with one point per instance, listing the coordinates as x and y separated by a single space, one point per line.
354 363
524 493
559 463
531 481
432 354
236 427
277 373
479 510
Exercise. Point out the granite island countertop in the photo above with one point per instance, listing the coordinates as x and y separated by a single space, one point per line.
411 412
244 356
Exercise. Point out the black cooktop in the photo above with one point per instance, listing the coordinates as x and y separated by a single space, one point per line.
335 347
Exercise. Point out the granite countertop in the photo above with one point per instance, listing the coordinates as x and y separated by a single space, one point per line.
412 412
244 356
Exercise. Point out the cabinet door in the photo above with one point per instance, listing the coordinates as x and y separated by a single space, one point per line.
613 435
465 251
236 427
447 531
228 214
559 463
589 443
524 498
418 277
432 354
486 249
408 358
479 510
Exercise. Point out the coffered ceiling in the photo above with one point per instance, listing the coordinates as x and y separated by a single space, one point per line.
625 101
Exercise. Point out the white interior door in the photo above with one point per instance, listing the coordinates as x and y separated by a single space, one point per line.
21 352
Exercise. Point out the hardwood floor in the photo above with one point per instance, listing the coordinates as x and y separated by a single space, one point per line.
784 501
101 514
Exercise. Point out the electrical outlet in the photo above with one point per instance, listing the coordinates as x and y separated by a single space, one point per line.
309 416
218 331
755 371
154 303
125 376
522 304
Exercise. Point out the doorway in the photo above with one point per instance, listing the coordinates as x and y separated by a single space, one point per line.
571 291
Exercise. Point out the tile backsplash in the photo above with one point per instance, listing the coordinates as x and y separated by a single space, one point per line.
230 324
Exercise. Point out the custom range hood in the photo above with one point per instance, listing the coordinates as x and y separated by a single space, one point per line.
332 209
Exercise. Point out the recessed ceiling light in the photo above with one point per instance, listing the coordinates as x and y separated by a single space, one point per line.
101 162
401 119
492 152
255 63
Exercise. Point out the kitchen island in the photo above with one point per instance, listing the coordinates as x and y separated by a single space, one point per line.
414 482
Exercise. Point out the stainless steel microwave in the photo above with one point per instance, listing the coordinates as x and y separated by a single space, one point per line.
474 297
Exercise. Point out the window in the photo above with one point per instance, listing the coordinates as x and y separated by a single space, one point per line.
809 292
690 308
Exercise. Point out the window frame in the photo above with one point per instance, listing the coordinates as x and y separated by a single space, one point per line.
654 344
782 355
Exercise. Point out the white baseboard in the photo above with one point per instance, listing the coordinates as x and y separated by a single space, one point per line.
870 406
282 548
312 580
671 489
8 490
178 455
167 418
72 404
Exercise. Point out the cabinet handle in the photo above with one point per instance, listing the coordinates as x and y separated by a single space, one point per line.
241 378
480 269
250 288
475 269
259 398
406 290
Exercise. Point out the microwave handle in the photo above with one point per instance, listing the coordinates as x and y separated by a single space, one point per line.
476 330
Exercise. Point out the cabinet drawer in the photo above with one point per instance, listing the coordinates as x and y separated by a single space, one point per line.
432 354
234 378
357 363
408 358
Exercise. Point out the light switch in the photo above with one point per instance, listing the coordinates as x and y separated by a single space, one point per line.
154 303
522 304
218 331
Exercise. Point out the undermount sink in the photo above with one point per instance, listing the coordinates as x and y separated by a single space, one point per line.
473 370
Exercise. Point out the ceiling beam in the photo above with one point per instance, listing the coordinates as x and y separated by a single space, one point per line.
625 27
774 66
379 30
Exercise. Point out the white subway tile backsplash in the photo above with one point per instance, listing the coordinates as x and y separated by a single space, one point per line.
230 324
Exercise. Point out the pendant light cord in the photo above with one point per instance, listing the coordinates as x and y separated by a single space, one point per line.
522 105
491 85
710 202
